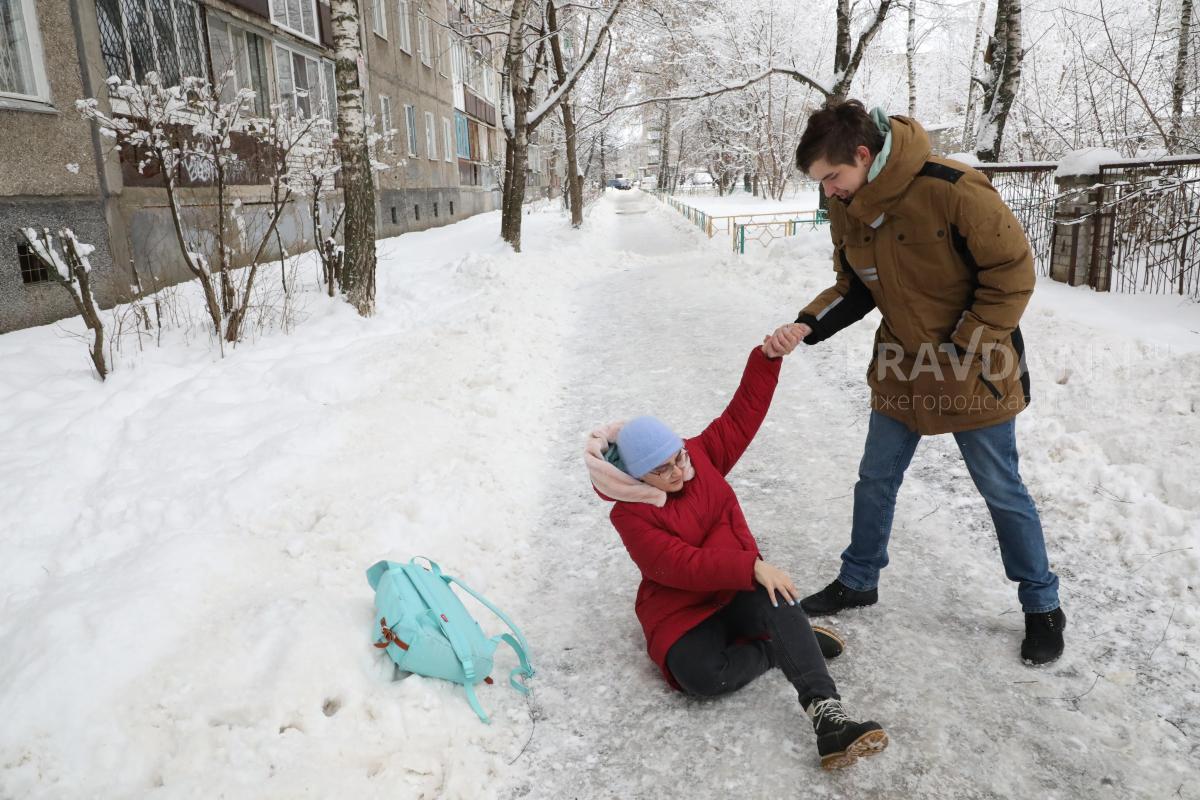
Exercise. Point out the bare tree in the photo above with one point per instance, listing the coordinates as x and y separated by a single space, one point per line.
910 57
1003 56
519 112
71 270
358 187
847 60
574 191
1179 81
968 136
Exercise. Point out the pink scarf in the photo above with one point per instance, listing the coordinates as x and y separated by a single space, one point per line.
612 482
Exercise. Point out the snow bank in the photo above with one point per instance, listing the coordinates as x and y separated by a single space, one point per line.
1086 161
183 548
742 203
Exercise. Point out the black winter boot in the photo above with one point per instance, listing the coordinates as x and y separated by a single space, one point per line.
1043 636
831 644
835 597
840 740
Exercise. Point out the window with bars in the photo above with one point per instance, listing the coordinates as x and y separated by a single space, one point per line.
22 70
410 120
33 270
297 16
142 36
403 33
430 138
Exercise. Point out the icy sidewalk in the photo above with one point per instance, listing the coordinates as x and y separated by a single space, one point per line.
184 613
1108 451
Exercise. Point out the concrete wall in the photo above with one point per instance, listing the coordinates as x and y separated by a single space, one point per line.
52 172
24 305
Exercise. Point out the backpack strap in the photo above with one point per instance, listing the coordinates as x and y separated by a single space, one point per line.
524 669
517 642
461 649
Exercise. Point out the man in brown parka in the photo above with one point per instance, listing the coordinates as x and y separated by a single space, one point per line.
931 244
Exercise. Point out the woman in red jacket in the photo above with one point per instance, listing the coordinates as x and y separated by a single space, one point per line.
709 605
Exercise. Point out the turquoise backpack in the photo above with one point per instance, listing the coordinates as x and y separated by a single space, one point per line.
425 628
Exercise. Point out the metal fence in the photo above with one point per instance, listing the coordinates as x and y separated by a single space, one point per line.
1030 191
761 226
1147 226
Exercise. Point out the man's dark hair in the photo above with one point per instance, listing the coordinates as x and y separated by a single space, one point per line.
835 132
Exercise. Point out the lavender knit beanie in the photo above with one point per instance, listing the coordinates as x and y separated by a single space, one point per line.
645 443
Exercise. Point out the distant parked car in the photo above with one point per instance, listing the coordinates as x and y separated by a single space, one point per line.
622 183
649 183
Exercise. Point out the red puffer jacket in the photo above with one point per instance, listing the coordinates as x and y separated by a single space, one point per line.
697 551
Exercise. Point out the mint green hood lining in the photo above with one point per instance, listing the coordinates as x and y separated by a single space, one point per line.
885 127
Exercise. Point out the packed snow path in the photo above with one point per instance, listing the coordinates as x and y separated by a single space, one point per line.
935 662
183 610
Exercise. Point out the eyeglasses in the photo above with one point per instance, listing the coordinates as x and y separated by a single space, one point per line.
678 460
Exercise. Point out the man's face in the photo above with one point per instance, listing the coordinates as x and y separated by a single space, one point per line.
842 180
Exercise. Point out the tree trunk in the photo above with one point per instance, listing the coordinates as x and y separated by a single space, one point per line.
515 97
514 202
845 62
911 53
604 166
968 137
574 179
1177 86
664 149
1006 55
358 271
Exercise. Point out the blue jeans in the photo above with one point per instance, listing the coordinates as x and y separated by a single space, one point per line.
991 457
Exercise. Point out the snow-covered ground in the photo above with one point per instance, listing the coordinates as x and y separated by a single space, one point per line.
742 203
183 610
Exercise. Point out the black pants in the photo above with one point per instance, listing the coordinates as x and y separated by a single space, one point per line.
708 660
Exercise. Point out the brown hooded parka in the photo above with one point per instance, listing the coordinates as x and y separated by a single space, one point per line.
934 247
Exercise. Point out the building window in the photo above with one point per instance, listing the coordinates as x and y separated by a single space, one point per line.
456 55
142 36
379 21
462 135
452 208
32 268
297 16
442 54
394 215
404 33
435 208
417 212
447 139
410 120
385 122
330 78
22 71
430 138
423 38
302 82
244 54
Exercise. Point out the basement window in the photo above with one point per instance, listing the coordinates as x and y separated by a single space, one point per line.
32 268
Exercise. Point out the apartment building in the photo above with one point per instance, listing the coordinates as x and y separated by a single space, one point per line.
430 90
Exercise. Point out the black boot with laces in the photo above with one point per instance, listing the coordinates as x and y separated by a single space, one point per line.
836 597
840 740
1043 636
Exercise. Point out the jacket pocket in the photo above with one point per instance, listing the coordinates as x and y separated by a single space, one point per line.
925 260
